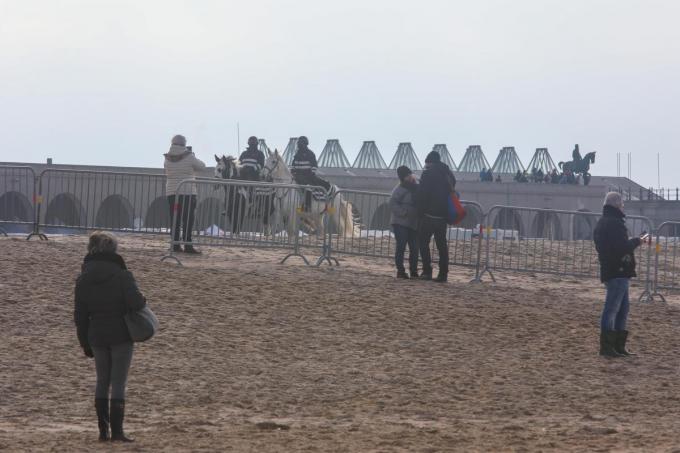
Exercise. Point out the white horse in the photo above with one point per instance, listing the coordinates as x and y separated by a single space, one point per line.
341 219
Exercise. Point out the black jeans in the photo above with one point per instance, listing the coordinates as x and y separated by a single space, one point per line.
112 364
406 236
428 227
186 209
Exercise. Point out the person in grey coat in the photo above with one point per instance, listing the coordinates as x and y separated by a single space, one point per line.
404 220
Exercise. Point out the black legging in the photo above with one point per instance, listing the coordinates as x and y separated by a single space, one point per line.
186 208
112 364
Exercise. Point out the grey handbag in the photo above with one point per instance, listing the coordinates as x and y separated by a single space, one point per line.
141 324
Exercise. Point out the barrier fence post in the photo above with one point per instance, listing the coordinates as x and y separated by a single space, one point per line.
296 240
37 203
478 266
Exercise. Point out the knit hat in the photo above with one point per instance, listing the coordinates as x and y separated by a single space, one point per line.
433 157
179 140
403 172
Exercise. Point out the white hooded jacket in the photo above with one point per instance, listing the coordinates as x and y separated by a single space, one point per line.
181 164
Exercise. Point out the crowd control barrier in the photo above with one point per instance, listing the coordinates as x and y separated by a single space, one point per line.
83 200
360 226
18 200
217 213
666 258
556 242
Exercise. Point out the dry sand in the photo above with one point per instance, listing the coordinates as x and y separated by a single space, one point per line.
340 359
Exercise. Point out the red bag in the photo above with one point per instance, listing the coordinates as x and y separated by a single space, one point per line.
456 210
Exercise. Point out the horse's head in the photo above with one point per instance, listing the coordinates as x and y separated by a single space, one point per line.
591 157
226 167
275 167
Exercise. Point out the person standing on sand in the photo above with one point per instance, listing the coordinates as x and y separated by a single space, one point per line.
180 164
105 292
617 265
432 199
404 221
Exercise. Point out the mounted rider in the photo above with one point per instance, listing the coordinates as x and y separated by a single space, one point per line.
252 161
304 168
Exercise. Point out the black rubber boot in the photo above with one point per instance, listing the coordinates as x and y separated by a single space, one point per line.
607 343
441 278
102 407
117 417
191 250
620 345
425 276
402 274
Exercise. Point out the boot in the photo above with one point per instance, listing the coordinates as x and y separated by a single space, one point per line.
620 345
191 250
426 276
102 407
402 274
607 342
414 274
177 248
441 278
117 417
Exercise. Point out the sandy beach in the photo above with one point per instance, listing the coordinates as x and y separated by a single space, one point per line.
257 356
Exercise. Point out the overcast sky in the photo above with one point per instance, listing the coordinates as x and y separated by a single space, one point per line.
109 82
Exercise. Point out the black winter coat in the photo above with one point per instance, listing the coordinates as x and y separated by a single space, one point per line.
105 292
434 190
615 250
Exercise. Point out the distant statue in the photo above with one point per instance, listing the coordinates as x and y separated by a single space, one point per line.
579 165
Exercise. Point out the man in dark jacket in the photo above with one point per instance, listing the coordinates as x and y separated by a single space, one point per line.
617 265
304 168
252 161
432 199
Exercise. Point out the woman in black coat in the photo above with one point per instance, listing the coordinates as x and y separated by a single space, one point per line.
105 292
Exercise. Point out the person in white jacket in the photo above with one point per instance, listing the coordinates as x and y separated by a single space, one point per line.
180 164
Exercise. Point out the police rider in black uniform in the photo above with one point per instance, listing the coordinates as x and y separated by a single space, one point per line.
252 161
304 168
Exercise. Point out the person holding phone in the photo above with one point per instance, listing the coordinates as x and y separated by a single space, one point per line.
616 252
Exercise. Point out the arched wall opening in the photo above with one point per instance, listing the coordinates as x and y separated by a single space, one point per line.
508 219
546 225
115 212
65 210
15 207
158 214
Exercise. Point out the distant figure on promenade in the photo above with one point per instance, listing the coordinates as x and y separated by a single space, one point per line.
404 221
617 266
482 174
252 161
105 291
180 164
432 199
304 169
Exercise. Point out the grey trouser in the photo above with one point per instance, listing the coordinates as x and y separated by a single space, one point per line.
112 364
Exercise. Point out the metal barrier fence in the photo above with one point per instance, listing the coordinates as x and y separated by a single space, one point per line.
217 213
555 242
350 222
18 198
360 225
117 201
666 259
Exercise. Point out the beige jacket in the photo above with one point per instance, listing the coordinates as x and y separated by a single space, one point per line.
181 164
